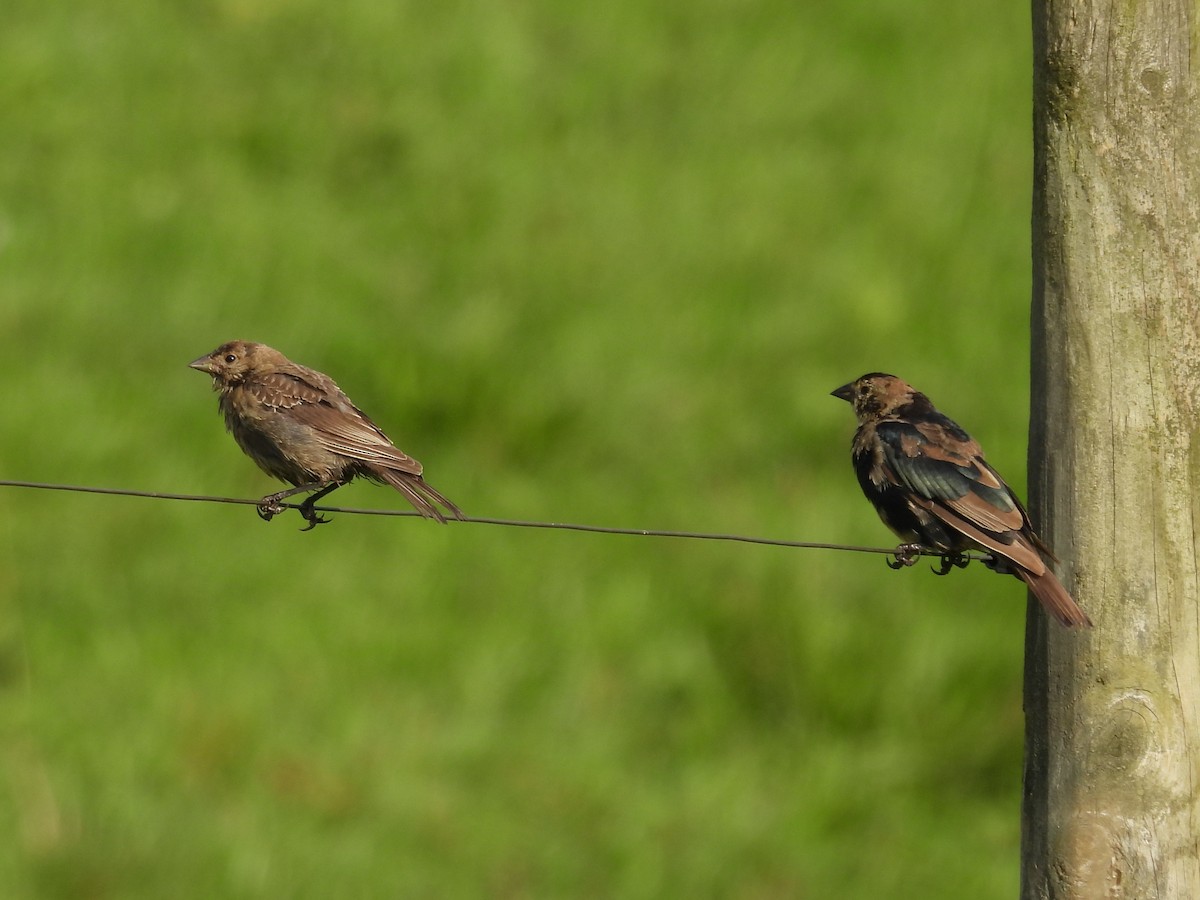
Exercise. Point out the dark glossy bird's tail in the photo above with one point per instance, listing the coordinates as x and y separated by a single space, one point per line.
1054 597
419 493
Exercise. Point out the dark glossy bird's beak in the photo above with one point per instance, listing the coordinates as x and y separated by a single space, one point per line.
203 364
845 392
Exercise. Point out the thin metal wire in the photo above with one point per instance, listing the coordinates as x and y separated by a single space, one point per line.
472 520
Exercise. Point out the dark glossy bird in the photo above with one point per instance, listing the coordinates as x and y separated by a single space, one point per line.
299 427
930 484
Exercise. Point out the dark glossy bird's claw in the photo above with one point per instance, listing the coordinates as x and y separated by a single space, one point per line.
905 555
998 564
952 561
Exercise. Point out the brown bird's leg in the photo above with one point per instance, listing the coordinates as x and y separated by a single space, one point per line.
906 555
306 508
272 505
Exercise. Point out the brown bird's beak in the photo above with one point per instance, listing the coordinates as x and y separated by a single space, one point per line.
203 364
845 392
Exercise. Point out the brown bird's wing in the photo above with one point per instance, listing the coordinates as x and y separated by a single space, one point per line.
315 400
282 391
945 471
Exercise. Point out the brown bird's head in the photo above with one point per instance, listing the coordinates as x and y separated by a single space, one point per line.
877 395
231 363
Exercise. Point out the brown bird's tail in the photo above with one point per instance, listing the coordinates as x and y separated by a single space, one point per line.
419 493
1054 598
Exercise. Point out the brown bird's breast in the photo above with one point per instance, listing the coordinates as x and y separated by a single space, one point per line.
281 443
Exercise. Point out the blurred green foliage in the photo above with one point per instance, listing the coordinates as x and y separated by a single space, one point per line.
589 263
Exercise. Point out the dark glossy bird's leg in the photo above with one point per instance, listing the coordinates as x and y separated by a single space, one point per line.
951 561
306 508
998 564
905 555
272 505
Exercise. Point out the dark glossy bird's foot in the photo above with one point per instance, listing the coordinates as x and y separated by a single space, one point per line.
905 556
998 564
952 561
271 506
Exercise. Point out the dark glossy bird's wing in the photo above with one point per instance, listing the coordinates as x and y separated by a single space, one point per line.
947 475
314 400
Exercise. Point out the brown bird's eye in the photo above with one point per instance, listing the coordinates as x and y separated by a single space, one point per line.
230 358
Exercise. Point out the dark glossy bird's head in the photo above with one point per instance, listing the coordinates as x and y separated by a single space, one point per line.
230 363
876 395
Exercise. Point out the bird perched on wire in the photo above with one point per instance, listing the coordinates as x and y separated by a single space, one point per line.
930 484
300 428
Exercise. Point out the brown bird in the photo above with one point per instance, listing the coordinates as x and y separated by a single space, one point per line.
300 428
929 482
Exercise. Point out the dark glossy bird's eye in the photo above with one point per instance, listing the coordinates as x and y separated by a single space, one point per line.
230 358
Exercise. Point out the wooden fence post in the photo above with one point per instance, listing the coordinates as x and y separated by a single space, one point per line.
1112 752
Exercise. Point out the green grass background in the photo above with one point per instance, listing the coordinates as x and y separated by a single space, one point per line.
589 262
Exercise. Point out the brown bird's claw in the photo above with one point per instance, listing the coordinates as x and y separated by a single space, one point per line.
952 561
311 516
905 555
314 520
270 507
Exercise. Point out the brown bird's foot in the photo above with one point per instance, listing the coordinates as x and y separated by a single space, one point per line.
271 506
312 519
311 516
952 561
905 555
